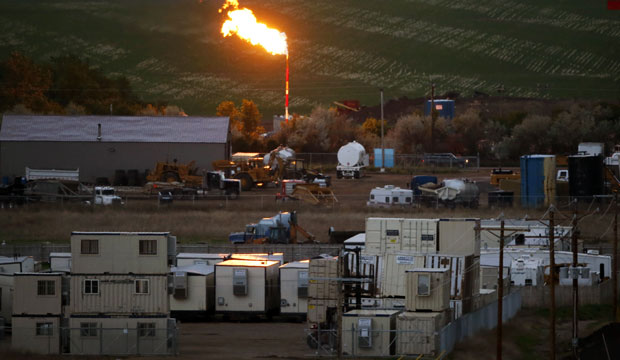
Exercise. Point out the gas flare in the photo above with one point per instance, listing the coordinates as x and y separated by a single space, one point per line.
243 23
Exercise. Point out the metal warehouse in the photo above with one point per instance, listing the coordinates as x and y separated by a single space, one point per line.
100 145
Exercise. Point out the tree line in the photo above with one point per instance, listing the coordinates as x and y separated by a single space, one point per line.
69 85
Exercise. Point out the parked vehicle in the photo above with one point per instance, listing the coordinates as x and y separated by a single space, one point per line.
279 229
217 184
174 172
352 158
500 174
452 192
444 159
106 195
389 195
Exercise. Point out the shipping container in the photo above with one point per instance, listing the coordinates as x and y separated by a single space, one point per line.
247 286
119 294
369 332
320 286
193 291
427 289
538 178
394 235
7 289
445 108
393 273
586 177
320 310
459 236
294 288
418 332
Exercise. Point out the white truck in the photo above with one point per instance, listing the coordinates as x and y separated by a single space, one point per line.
390 195
106 195
352 158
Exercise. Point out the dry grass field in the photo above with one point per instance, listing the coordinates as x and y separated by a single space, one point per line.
210 221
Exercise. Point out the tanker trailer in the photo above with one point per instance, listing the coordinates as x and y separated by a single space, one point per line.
352 158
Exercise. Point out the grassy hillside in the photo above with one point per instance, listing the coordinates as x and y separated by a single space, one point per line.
346 49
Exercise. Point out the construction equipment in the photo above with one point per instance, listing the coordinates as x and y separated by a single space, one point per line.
499 174
313 193
279 229
451 192
167 172
251 171
216 183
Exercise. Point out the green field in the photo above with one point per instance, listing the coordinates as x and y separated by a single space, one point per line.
346 49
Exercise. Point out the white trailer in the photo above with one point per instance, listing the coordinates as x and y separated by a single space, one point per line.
52 174
352 158
526 271
247 287
294 288
193 290
60 262
389 196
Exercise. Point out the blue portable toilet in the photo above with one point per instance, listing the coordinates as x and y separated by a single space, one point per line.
444 107
537 180
389 158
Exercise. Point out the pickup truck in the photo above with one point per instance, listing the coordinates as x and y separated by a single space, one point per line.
443 159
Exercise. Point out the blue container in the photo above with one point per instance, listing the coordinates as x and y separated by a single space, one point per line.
445 108
421 180
533 179
389 158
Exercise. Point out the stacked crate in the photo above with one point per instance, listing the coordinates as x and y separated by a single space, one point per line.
427 311
322 291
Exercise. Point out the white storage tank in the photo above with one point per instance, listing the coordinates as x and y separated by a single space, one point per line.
418 332
352 158
247 286
193 291
428 289
369 332
294 288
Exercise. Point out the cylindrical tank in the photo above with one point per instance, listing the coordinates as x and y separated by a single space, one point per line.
585 176
467 189
282 152
351 154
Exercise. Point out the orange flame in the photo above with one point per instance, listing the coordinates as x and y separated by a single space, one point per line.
244 24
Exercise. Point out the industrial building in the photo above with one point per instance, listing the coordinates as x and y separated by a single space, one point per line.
100 145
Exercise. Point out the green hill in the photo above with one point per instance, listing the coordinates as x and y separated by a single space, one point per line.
346 49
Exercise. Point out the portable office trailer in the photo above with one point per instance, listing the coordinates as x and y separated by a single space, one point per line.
122 252
418 332
60 262
459 236
36 334
121 335
188 259
37 294
526 271
294 288
369 332
193 290
7 286
10 265
393 273
393 235
119 294
427 289
390 196
247 286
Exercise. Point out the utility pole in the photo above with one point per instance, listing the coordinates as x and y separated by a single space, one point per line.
552 277
574 275
614 276
433 116
500 290
382 145
341 300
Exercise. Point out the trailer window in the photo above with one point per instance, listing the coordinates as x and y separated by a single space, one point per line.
88 329
90 247
407 199
44 329
372 196
46 287
528 282
387 199
148 247
395 199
